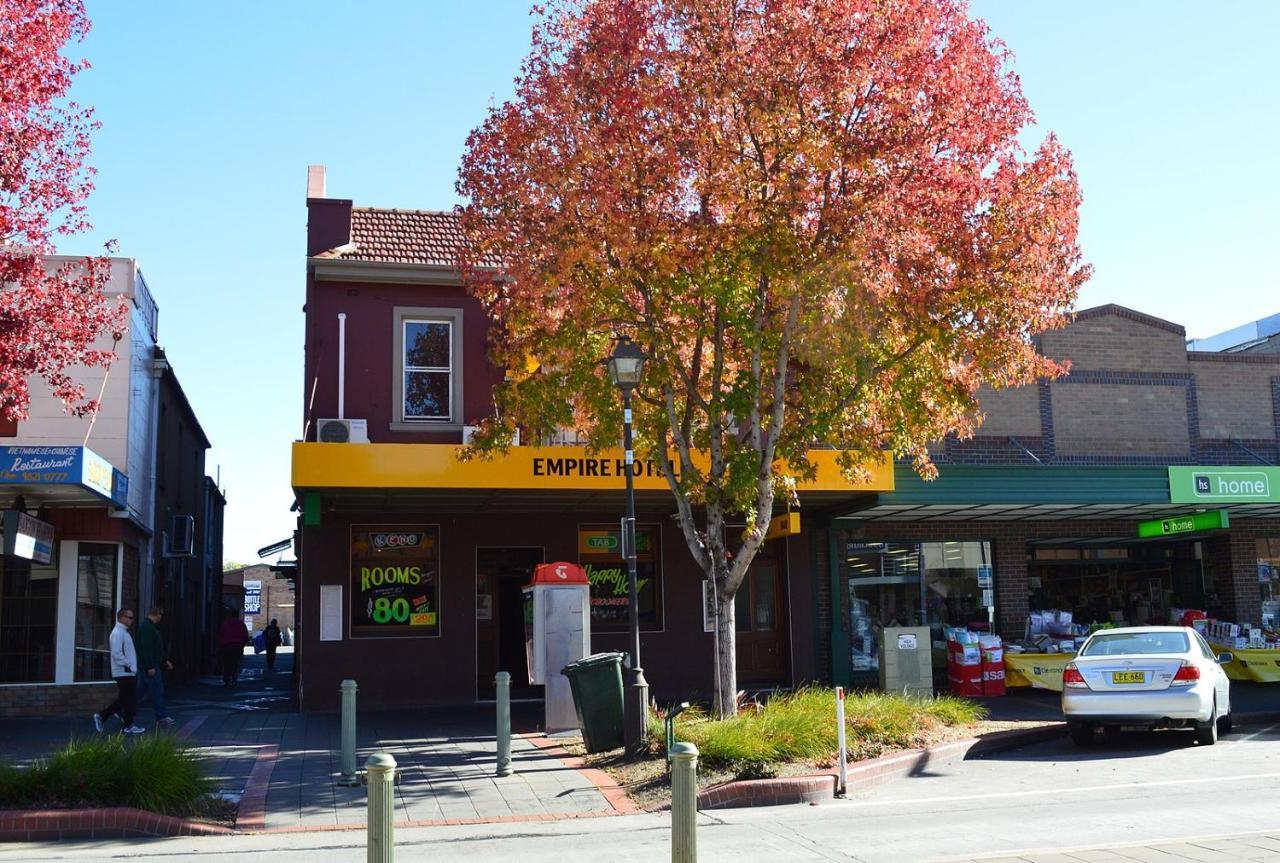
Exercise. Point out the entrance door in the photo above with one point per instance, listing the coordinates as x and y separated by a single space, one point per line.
761 619
500 575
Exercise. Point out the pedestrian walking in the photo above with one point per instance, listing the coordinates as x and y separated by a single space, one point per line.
271 635
124 671
232 638
153 662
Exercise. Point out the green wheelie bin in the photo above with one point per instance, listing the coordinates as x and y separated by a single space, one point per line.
596 683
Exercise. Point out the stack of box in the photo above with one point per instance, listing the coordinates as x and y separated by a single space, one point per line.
964 665
992 664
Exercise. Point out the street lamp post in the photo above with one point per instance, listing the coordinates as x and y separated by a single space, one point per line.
626 365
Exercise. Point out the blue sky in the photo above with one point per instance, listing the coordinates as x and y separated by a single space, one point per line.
212 111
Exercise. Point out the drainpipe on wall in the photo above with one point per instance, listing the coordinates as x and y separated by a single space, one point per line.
146 590
342 365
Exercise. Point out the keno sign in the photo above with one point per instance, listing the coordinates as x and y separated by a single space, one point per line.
396 540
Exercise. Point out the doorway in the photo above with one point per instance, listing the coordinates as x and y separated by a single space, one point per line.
760 618
501 573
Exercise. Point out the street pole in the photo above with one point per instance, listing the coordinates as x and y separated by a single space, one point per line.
380 820
502 685
348 689
635 706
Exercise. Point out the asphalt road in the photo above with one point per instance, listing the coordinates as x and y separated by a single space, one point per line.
1144 789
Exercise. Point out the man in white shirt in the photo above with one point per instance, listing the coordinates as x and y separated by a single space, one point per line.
124 671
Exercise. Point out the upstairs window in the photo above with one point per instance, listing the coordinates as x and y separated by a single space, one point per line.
428 370
428 345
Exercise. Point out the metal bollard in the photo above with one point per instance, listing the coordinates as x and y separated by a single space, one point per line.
380 770
503 683
684 803
843 775
348 690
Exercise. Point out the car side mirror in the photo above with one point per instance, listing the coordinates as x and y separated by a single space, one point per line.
1224 658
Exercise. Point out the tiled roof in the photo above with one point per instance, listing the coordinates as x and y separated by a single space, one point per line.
403 237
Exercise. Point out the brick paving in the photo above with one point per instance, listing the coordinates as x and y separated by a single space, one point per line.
445 758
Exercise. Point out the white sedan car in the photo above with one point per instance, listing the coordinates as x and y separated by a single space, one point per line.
1152 676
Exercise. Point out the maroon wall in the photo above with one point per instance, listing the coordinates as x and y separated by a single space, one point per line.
370 374
678 661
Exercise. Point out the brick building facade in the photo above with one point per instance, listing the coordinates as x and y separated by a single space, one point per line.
1053 486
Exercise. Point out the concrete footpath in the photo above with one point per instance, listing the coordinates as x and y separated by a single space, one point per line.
281 766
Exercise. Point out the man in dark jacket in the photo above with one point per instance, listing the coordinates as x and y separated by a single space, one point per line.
271 639
152 663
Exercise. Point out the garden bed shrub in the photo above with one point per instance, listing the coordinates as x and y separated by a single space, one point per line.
800 726
156 773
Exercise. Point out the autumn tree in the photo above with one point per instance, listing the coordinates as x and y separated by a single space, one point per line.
49 318
814 215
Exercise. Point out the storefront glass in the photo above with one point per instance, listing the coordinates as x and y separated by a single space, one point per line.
28 620
96 606
1136 584
1269 580
913 584
395 581
600 555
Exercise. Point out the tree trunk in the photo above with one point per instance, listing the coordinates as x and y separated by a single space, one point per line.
726 701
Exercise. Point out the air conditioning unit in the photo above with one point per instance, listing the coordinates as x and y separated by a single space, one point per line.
180 540
469 432
342 431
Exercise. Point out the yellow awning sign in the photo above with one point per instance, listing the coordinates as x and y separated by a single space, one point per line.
347 465
787 524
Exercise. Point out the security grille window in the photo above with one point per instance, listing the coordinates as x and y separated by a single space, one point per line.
428 370
95 610
28 621
428 357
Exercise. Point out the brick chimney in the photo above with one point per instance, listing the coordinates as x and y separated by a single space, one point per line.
328 219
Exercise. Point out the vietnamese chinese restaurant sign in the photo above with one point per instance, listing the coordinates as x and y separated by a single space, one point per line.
395 580
63 465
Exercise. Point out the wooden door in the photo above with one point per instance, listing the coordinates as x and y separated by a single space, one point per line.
760 616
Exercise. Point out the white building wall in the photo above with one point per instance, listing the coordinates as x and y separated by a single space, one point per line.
121 432
49 424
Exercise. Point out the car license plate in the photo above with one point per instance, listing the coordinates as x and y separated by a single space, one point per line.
1128 677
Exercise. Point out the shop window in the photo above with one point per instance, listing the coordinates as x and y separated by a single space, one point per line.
600 555
28 621
428 368
1269 580
913 584
96 604
395 581
958 583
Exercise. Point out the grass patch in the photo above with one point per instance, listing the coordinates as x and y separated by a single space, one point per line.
801 726
155 773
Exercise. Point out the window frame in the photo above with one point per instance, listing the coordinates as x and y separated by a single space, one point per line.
404 315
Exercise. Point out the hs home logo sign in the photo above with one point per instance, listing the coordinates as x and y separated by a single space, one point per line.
1233 484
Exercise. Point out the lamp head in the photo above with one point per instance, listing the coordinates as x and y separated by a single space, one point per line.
626 364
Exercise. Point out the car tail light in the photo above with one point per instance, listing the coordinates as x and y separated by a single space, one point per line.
1187 675
1072 678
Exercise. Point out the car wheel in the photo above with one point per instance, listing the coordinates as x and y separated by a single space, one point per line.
1224 724
1207 732
1081 735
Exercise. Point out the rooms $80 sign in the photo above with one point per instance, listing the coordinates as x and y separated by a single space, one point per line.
395 580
